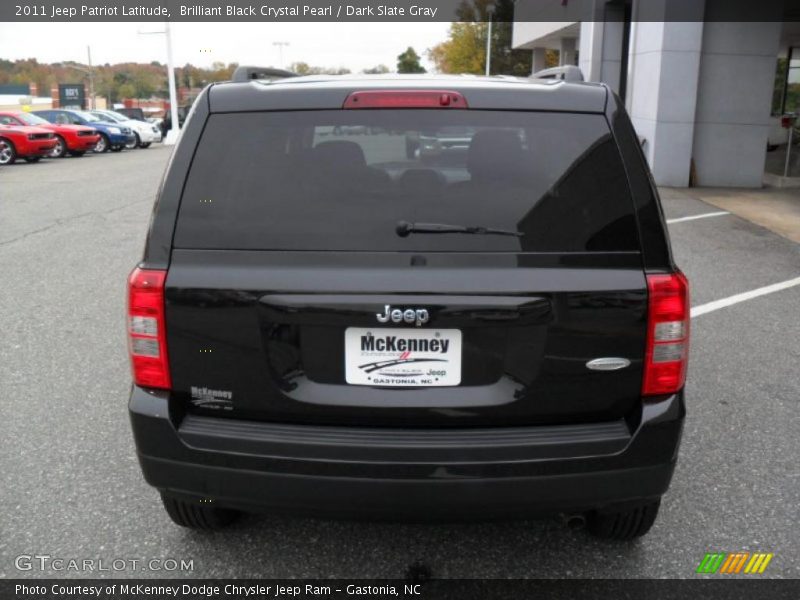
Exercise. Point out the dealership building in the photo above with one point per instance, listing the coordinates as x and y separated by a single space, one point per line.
705 97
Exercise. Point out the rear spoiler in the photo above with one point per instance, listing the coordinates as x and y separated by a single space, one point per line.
248 73
565 73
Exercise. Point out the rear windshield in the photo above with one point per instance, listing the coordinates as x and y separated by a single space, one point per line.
344 180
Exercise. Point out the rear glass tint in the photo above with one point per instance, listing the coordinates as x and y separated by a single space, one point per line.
344 179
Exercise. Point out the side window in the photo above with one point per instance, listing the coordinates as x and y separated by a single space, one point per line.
62 119
7 120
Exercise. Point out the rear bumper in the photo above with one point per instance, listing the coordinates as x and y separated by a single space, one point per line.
337 471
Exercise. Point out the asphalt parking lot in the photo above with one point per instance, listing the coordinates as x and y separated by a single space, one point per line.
73 228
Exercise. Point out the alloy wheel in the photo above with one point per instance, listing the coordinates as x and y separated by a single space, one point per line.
58 149
6 152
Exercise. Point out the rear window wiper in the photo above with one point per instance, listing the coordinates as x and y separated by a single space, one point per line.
404 229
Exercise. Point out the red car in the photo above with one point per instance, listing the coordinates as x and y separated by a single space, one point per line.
30 143
75 139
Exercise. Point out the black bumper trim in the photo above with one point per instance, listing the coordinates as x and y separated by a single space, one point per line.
404 446
443 498
343 471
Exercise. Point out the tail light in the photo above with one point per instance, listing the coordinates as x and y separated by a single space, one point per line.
405 99
147 335
667 351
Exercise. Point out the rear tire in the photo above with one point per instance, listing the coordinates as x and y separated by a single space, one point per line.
135 143
145 144
626 524
197 516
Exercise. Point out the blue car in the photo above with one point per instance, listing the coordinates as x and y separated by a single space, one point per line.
113 136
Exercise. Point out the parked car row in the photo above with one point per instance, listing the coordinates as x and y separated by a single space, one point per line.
55 133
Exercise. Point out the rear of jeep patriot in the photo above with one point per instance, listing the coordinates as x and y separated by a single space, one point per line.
418 298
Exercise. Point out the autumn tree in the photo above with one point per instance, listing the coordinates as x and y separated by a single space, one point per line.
124 80
465 50
408 62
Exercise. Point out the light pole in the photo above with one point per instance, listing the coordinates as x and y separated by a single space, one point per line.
91 77
490 12
280 46
175 130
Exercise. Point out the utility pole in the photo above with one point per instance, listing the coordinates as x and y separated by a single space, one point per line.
175 130
490 11
280 46
91 78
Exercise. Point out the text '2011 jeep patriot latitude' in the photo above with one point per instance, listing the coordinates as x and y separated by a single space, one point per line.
331 320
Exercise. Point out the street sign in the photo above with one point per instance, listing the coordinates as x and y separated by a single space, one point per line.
71 95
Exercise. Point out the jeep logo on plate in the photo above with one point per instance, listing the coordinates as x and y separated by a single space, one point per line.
417 316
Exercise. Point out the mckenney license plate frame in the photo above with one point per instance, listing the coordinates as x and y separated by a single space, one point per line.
402 357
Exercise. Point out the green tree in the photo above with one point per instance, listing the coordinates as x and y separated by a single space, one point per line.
465 49
463 52
104 84
145 83
303 68
183 76
378 70
126 91
408 62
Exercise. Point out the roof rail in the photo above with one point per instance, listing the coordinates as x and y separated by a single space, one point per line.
248 73
565 73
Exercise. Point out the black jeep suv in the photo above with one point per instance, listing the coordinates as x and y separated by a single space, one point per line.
325 323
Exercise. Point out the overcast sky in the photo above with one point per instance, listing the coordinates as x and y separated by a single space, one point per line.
355 46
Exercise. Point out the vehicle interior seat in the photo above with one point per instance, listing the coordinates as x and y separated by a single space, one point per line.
500 171
417 181
496 154
340 162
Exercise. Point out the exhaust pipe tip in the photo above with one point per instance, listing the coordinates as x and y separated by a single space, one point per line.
575 522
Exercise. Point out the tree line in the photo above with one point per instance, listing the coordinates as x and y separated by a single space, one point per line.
147 80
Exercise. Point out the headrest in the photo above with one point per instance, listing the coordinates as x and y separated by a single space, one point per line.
339 154
421 179
494 154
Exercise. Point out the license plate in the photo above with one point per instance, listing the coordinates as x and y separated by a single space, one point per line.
402 357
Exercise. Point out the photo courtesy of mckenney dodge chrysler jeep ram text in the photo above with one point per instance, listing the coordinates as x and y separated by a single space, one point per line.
327 323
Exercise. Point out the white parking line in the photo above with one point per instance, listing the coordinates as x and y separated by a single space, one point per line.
763 291
695 217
